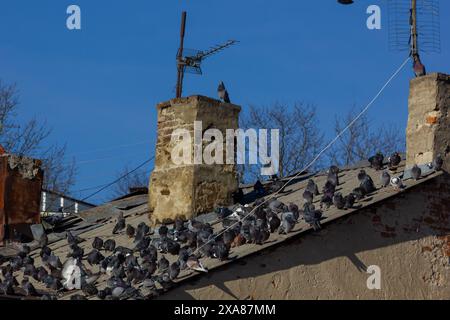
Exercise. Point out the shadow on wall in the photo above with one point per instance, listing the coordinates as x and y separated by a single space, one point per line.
416 214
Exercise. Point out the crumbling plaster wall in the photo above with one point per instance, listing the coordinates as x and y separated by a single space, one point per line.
186 190
408 237
428 131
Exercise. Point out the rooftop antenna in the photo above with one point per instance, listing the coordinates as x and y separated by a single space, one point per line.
189 61
414 26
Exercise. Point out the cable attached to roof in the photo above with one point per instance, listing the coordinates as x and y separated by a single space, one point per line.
106 186
317 157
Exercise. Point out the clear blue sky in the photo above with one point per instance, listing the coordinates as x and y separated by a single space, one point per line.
98 87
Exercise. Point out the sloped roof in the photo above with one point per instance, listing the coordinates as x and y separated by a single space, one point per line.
100 221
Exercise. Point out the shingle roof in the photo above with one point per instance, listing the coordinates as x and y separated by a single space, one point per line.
99 221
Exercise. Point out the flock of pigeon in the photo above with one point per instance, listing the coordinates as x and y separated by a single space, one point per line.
144 265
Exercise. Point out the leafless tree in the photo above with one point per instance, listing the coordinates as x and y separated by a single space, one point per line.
299 134
362 140
132 179
30 139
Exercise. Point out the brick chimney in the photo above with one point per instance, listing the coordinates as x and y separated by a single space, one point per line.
428 131
20 195
187 190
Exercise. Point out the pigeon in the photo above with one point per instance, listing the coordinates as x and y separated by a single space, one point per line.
287 222
416 172
418 67
120 224
109 245
163 264
294 209
76 252
312 216
174 270
338 201
97 243
376 161
394 160
89 290
223 93
274 222
163 231
349 201
358 193
366 181
333 175
223 212
385 179
312 187
130 231
71 274
73 240
259 188
43 240
438 163
308 196
194 264
397 183
28 287
95 257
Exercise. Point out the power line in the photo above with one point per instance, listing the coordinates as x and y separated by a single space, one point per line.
316 158
114 182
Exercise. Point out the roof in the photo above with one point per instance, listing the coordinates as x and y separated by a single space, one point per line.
99 221
68 197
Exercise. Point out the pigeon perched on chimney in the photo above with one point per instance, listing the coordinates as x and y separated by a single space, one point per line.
223 93
419 68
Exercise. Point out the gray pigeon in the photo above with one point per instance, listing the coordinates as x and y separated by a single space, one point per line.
109 245
223 93
312 187
338 201
385 179
308 196
394 160
120 225
287 223
97 243
438 163
416 172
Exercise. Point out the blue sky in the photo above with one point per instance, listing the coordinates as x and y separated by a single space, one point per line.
98 87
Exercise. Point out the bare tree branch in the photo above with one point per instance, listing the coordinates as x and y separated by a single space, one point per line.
360 143
29 139
300 137
136 179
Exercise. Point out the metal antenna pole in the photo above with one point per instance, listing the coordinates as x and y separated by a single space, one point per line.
180 63
414 35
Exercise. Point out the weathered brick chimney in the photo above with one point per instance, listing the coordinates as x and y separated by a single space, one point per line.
20 195
187 190
428 131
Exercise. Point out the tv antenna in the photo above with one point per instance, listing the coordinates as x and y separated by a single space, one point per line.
414 26
189 61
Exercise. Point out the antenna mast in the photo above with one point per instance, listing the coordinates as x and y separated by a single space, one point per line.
180 64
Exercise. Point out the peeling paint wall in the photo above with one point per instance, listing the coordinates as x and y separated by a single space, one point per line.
408 237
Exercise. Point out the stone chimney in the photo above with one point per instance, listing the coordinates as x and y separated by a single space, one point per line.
428 131
187 190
